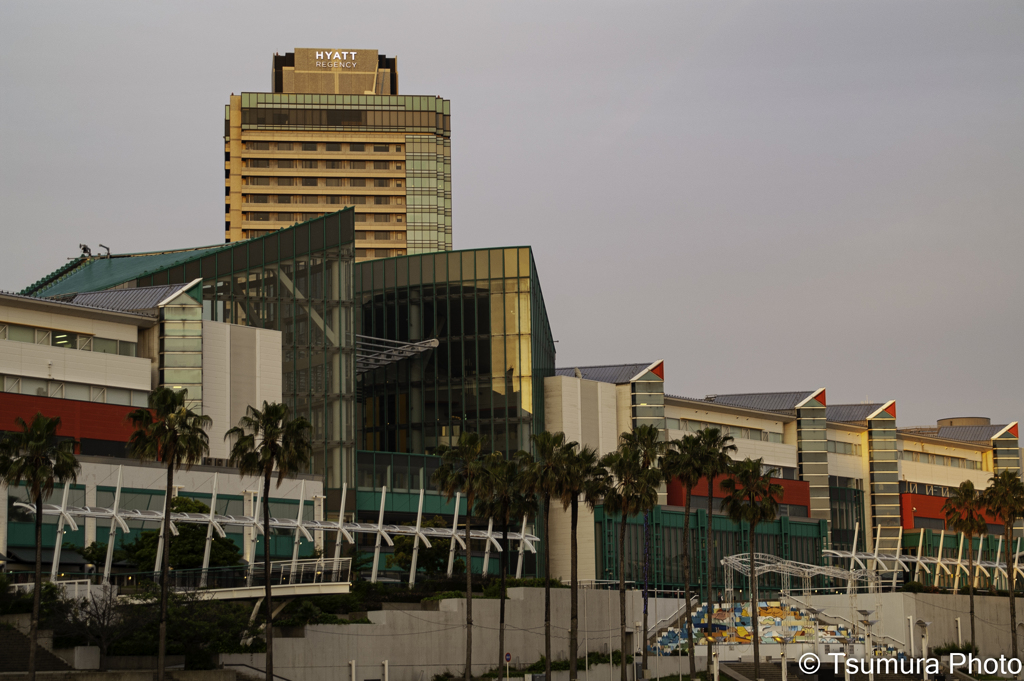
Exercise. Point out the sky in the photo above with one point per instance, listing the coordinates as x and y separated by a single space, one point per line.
770 196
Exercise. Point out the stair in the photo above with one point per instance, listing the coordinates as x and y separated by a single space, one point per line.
772 671
14 654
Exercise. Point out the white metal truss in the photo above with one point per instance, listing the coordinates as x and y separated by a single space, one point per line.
216 522
373 353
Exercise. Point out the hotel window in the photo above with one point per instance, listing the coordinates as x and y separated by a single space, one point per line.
259 198
285 182
259 217
398 183
309 182
381 165
358 201
398 236
398 166
333 146
382 236
333 199
381 217
360 235
259 181
333 181
309 146
335 165
357 147
359 217
380 182
258 146
398 147
381 148
284 198
361 253
310 164
357 182
259 162
398 218
285 217
357 165
380 253
311 199
382 200
285 163
284 146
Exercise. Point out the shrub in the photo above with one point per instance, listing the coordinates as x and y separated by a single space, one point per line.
443 595
947 648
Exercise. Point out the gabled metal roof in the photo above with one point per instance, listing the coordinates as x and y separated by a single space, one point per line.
98 273
848 413
607 373
128 299
763 401
970 433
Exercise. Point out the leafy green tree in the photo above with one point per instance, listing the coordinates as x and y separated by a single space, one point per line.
582 478
751 497
1004 498
95 552
713 459
630 489
37 457
189 546
462 470
681 461
175 435
265 440
964 514
502 499
645 440
541 480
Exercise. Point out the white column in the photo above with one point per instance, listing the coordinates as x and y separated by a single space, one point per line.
522 548
59 541
416 542
298 529
487 545
341 532
209 534
113 531
380 532
455 529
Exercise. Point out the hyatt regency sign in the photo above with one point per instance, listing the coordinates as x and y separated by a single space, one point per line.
335 59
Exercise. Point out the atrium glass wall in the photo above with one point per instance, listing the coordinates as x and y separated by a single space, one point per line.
885 478
1005 451
486 309
297 281
812 454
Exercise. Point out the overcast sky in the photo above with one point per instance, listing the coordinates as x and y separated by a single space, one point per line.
768 196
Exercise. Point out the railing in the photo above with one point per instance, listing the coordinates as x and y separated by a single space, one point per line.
855 625
255 669
75 589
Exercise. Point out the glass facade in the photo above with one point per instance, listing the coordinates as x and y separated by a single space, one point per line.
297 281
812 454
1006 453
648 397
885 478
847 510
486 309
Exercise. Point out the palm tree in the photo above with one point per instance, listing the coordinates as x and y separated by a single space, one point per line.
631 489
175 435
503 500
645 440
462 470
581 476
964 514
265 440
713 461
1004 498
681 462
751 496
38 458
541 480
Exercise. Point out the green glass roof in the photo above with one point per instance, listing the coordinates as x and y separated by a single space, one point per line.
97 274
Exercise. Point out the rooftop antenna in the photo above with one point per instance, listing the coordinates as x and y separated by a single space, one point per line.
86 251
108 250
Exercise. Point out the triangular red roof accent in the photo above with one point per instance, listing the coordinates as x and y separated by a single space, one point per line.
659 370
1014 431
891 409
821 397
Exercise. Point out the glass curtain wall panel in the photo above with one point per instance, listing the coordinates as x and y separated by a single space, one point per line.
486 309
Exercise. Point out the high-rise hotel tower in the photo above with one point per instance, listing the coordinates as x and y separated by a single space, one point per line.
334 132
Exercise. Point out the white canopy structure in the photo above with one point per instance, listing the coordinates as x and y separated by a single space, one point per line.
216 522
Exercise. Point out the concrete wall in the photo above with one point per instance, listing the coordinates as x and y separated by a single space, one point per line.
78 366
585 412
431 642
241 367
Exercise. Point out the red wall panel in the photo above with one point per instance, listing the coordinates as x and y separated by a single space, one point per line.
78 419
927 507
796 492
